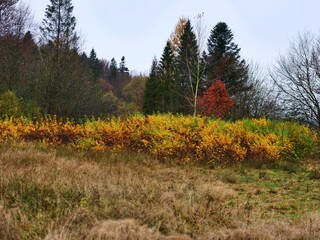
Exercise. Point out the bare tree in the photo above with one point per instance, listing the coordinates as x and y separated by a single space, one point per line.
260 100
297 76
15 19
7 13
17 48
201 33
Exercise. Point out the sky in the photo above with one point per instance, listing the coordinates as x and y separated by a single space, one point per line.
139 29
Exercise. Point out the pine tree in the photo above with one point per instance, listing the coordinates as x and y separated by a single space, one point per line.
223 60
187 70
59 25
122 65
151 104
168 87
113 78
95 66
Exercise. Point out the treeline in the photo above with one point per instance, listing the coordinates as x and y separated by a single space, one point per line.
50 75
44 72
207 76
191 80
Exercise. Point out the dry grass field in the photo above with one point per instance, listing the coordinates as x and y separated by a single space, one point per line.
56 194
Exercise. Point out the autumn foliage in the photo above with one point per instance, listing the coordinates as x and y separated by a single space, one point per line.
216 101
169 137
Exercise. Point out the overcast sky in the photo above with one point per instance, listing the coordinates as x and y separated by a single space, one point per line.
139 29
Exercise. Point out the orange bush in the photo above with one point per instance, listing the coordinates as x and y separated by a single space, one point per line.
215 102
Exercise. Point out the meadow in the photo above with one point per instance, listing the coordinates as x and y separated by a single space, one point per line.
158 177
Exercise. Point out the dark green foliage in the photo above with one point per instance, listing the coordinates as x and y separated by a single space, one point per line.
10 59
167 84
122 65
151 96
176 82
18 57
113 79
95 66
223 61
113 68
161 86
59 24
220 41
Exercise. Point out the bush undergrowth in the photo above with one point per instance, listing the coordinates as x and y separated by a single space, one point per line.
169 137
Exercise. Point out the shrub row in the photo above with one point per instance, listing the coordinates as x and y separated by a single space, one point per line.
171 137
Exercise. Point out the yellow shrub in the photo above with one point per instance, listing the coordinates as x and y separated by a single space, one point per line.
171 137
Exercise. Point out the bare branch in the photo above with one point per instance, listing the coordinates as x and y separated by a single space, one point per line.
297 77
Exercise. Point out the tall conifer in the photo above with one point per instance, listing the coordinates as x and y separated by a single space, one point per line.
224 62
151 96
168 86
95 66
59 25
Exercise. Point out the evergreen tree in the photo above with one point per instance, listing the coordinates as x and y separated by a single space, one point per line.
167 86
113 67
113 78
151 104
95 65
59 25
93 57
122 65
187 70
223 61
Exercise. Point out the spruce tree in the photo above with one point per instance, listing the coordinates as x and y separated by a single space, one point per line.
151 97
113 78
168 86
224 62
122 65
95 66
187 69
59 25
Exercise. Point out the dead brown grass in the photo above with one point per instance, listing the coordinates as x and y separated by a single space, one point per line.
8 229
51 195
121 229
309 229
